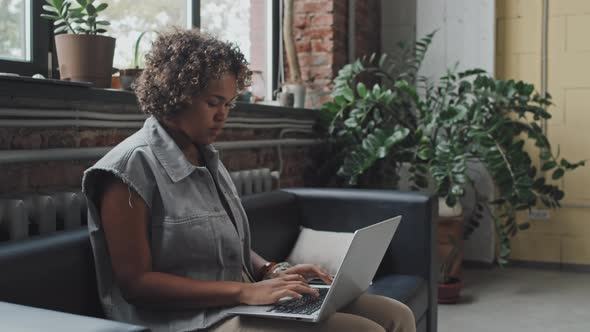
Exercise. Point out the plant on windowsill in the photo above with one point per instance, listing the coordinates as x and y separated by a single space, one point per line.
83 54
465 117
128 76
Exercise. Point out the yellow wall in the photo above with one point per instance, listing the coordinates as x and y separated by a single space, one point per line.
565 238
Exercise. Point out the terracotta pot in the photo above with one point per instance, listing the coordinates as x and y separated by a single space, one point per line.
85 58
128 76
451 227
116 83
451 292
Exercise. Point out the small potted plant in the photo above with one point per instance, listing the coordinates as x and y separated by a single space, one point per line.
128 76
449 285
83 54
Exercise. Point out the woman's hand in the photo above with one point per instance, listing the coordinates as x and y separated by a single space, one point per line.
272 290
309 271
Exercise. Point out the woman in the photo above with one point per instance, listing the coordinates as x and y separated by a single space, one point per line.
170 237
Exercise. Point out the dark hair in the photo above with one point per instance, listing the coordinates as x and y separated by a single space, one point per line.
180 65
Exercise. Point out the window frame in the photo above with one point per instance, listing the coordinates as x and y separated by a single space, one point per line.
273 56
41 43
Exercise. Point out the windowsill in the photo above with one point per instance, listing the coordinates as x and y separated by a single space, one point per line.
31 93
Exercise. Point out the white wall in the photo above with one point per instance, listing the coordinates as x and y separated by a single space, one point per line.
466 33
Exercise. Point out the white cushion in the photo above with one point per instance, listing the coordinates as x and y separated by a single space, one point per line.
326 249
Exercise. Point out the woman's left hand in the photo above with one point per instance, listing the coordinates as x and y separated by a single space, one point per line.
310 271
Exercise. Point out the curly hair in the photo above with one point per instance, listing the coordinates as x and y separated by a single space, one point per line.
180 65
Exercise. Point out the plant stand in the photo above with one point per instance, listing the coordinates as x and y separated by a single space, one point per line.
451 227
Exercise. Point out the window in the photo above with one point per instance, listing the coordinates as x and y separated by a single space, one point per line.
248 23
14 29
25 37
129 20
244 22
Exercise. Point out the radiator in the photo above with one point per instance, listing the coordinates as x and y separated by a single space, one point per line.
254 180
26 215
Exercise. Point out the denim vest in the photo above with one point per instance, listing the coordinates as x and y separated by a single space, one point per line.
191 233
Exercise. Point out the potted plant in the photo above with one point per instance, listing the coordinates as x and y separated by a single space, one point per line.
464 117
377 128
472 117
449 285
295 84
128 76
82 53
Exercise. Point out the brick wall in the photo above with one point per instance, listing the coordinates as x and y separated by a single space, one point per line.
299 162
321 29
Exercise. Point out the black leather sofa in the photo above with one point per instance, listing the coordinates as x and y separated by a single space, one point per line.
56 271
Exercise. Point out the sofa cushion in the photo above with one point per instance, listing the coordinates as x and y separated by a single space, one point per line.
274 223
411 290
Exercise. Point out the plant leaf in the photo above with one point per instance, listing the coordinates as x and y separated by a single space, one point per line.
524 226
361 89
548 165
102 7
50 17
558 173
545 155
348 94
50 9
90 9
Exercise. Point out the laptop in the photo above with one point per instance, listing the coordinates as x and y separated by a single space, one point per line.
353 278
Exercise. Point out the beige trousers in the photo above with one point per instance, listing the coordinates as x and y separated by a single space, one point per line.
367 313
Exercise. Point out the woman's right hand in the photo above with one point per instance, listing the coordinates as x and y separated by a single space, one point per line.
272 290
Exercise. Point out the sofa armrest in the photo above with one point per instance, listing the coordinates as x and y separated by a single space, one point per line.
412 250
17 317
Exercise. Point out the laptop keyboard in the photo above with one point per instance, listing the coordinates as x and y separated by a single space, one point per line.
306 305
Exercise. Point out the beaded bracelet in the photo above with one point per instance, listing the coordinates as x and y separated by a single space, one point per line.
269 266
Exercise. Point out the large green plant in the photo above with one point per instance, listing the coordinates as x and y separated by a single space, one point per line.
470 116
82 19
464 117
377 126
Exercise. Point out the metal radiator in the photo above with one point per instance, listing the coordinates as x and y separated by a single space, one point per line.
40 213
254 181
26 215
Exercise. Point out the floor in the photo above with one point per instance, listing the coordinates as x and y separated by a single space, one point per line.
519 299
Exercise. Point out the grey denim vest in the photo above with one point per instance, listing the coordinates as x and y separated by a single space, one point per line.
191 234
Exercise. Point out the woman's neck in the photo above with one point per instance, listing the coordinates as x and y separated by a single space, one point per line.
183 141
